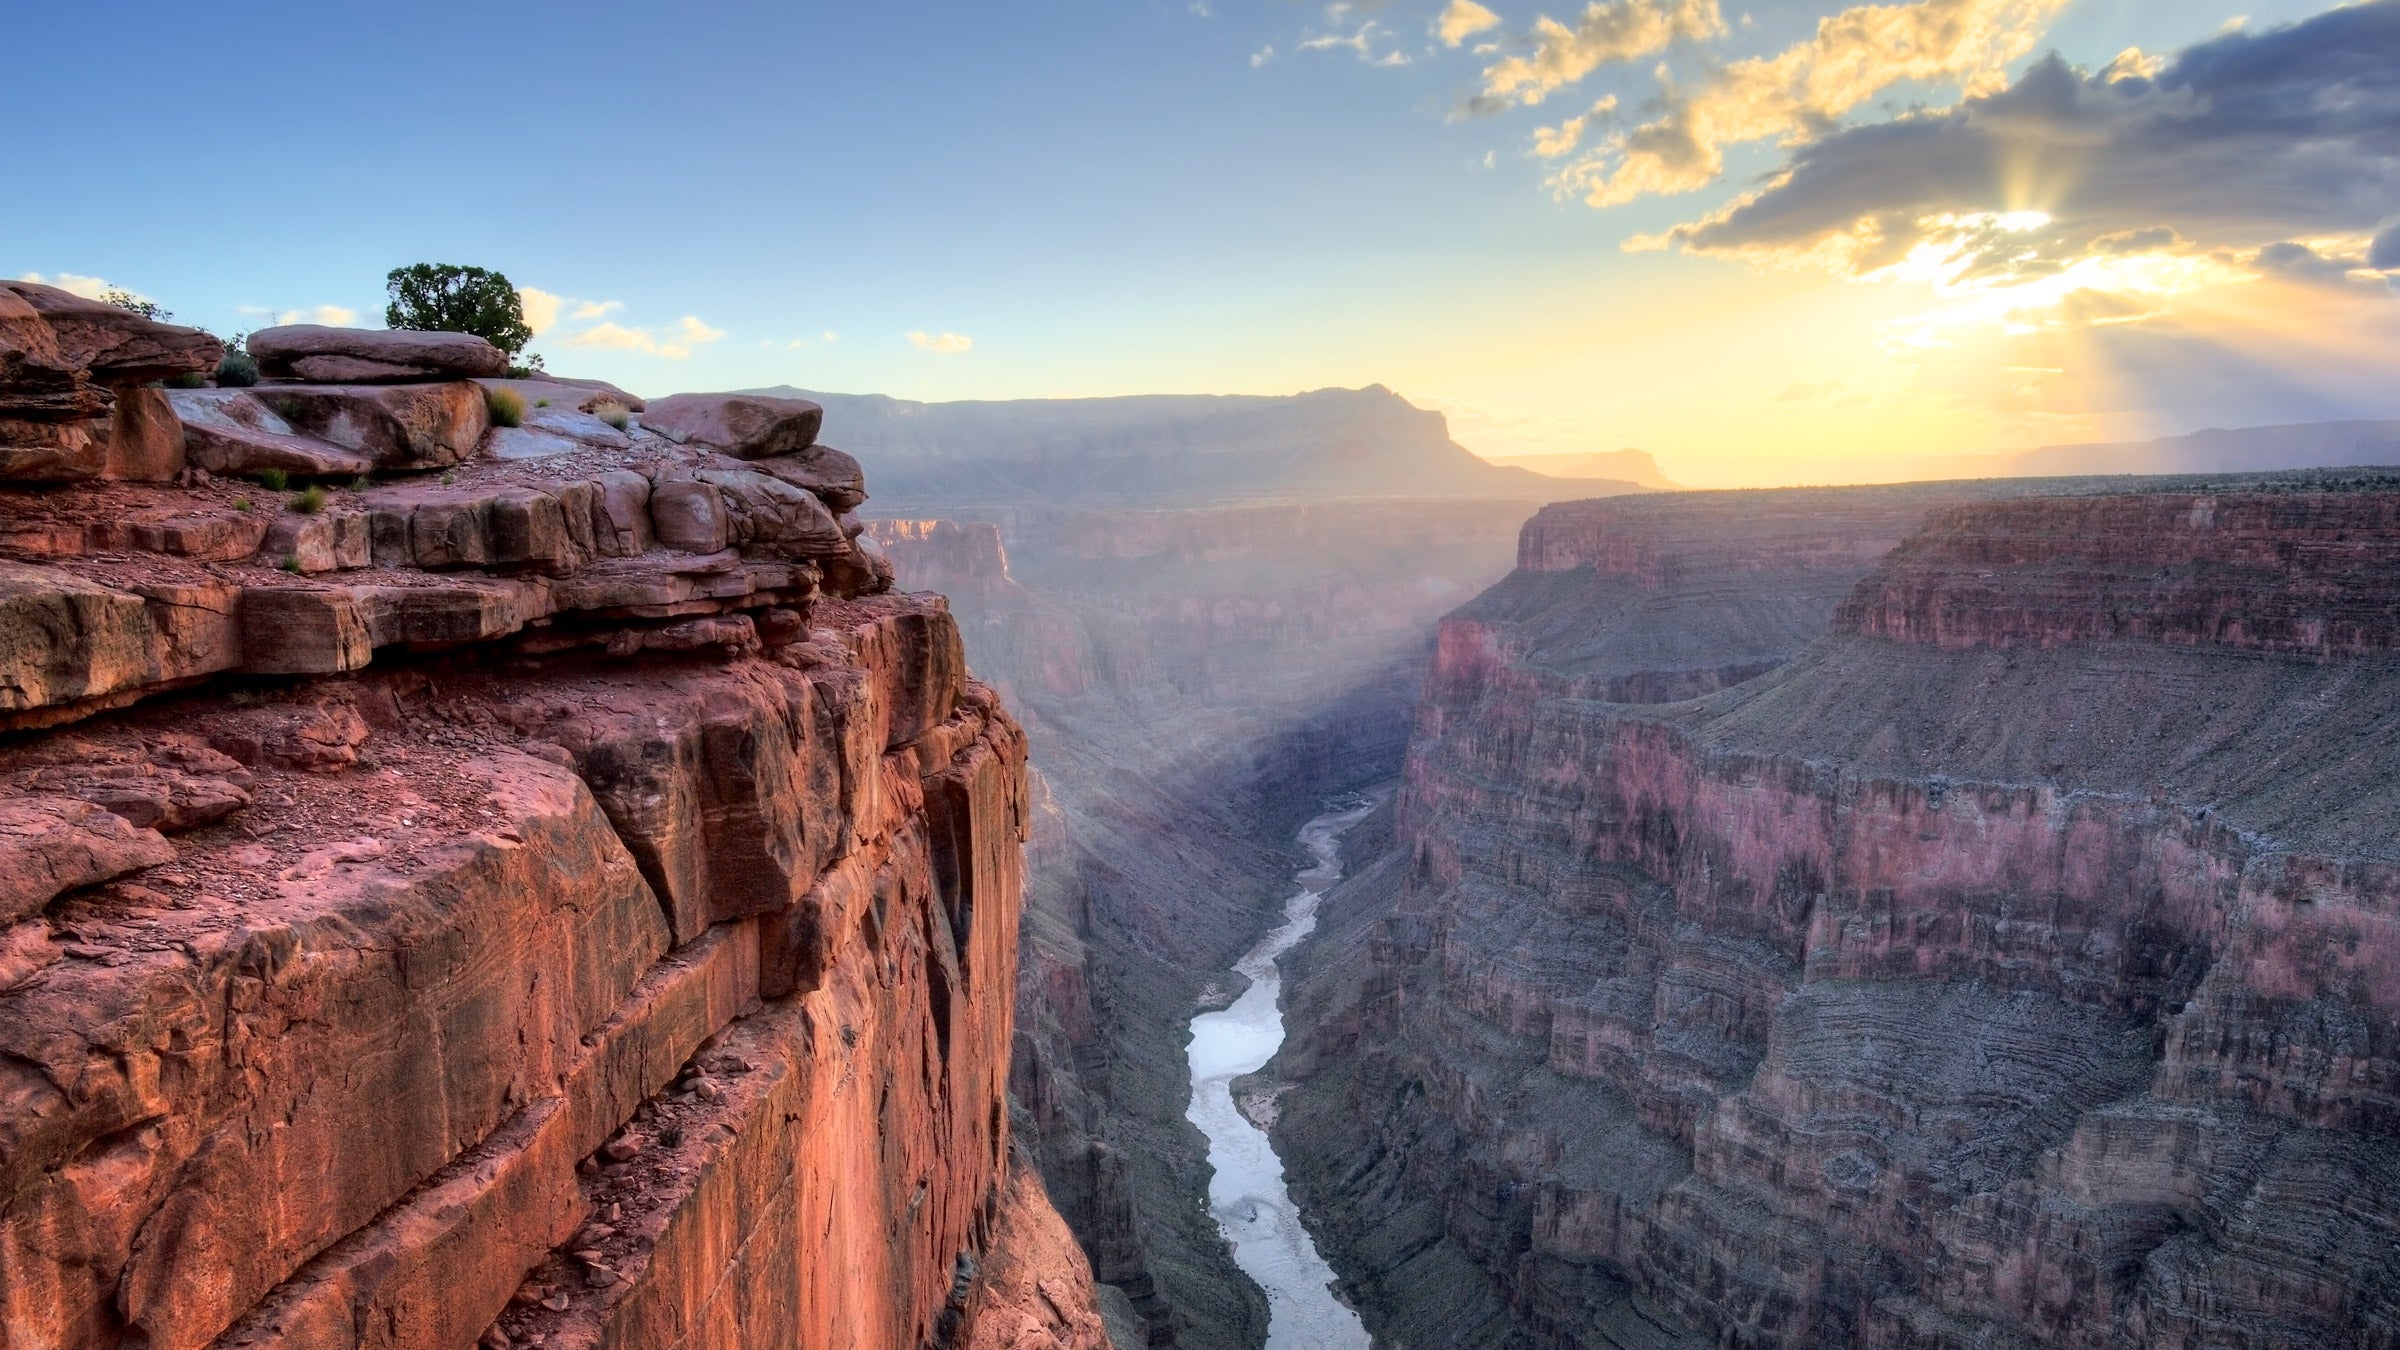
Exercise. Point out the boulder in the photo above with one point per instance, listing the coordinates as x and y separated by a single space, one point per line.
52 845
111 346
832 475
745 426
313 352
398 426
767 516
688 514
230 431
145 439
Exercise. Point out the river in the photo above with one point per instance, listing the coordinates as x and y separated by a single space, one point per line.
1247 1194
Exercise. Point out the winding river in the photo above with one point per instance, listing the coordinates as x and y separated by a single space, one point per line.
1247 1194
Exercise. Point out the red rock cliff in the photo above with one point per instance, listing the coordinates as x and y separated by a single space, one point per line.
2027 980
565 904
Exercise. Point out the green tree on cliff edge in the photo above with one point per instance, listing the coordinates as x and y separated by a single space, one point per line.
451 299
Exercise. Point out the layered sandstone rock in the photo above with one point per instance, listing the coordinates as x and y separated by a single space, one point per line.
73 401
2009 968
447 912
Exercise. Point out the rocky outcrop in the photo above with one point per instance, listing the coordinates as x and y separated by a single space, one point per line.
446 912
2007 968
73 402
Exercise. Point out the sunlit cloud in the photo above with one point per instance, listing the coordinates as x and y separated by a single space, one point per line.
948 344
1796 94
541 308
1462 20
675 344
332 316
1561 140
90 288
1609 31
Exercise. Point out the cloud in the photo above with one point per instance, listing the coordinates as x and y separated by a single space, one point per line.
1364 42
674 345
1609 31
541 308
1200 10
1560 141
332 316
90 288
949 344
1800 93
1463 20
593 309
2385 254
1262 56
2243 141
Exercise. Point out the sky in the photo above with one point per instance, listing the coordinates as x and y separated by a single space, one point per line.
1769 240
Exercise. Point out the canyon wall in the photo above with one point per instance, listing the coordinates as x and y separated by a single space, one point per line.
1195 681
564 902
2009 965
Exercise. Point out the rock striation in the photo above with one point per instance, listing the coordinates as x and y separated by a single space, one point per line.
2009 966
564 901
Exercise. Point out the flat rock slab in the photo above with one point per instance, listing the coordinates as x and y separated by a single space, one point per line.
310 351
231 431
745 426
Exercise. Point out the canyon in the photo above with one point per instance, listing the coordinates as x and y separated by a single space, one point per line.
1200 657
517 890
1914 918
495 861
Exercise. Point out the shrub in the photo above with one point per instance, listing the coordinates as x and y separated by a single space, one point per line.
274 480
449 476
241 503
239 370
291 563
190 379
447 298
541 403
614 414
309 500
134 304
507 407
361 483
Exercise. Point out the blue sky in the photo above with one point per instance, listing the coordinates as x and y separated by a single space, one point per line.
1119 196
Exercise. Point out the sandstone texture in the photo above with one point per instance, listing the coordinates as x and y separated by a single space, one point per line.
2009 965
446 913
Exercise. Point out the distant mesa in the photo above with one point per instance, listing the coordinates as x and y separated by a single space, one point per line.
1629 466
2305 445
1173 450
